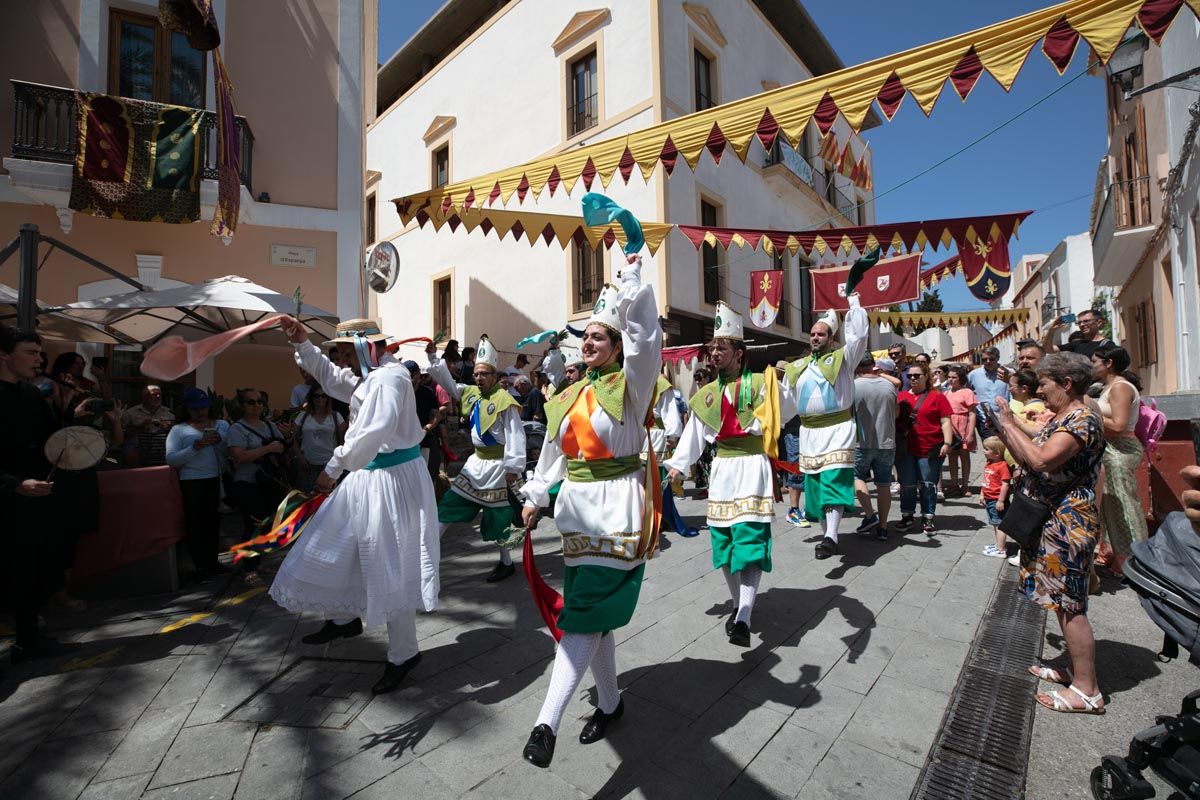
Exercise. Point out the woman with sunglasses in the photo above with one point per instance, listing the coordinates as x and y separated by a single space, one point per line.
928 413
319 429
249 441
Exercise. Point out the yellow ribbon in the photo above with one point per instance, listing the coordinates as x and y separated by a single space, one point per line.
768 413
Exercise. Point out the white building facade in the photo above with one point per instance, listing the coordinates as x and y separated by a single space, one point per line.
529 78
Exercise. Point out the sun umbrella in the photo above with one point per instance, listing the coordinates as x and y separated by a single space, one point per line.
199 310
52 325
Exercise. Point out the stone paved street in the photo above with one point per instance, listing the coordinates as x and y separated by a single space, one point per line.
210 694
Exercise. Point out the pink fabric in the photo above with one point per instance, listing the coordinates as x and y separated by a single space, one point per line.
962 419
171 357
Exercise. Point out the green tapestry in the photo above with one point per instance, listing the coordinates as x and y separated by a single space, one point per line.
136 160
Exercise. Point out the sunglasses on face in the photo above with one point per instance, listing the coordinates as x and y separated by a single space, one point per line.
912 376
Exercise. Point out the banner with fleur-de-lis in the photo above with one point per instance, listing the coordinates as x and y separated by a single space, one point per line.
766 295
986 267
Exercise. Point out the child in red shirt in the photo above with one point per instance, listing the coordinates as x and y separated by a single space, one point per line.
994 495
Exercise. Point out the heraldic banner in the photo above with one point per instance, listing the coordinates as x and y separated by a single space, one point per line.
136 160
888 283
766 295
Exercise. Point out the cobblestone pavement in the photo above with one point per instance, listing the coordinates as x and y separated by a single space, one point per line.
210 694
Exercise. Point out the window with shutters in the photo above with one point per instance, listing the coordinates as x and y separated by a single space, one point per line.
587 275
583 107
706 95
710 256
148 62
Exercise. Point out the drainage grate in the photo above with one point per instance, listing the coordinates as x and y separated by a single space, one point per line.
983 745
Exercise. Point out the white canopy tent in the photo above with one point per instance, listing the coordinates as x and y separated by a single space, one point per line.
198 310
54 325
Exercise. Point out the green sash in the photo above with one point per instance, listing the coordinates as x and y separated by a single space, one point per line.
706 403
495 403
826 420
493 452
580 470
609 387
736 446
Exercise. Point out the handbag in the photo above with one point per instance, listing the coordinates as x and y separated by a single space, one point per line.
1026 516
275 473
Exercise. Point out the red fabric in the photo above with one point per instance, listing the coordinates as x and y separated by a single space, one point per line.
964 76
686 354
766 295
730 426
549 602
890 95
995 473
1156 16
141 515
1059 44
986 266
927 431
890 282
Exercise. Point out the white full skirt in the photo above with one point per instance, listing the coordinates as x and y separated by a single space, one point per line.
371 550
740 489
601 521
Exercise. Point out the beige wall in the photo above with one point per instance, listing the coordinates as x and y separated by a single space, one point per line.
283 59
189 254
1152 280
39 42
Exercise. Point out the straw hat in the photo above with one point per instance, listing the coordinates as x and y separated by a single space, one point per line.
354 330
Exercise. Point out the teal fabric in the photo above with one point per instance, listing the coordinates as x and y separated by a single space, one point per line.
599 599
494 525
741 545
385 460
822 490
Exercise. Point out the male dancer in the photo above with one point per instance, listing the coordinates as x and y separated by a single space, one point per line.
822 386
735 411
495 469
370 552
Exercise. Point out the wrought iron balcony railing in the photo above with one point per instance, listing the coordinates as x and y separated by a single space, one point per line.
45 129
781 153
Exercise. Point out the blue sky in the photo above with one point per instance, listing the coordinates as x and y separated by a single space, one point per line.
1047 156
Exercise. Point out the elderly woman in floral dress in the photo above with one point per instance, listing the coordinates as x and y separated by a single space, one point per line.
1062 463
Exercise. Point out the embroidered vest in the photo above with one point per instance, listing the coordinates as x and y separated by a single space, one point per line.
706 403
492 406
609 389
829 365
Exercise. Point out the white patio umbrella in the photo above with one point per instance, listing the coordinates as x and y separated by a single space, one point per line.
53 325
198 310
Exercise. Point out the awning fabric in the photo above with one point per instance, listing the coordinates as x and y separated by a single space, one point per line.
899 236
999 49
948 319
534 226
939 272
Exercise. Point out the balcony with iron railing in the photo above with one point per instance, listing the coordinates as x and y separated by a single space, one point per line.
45 129
1124 226
783 156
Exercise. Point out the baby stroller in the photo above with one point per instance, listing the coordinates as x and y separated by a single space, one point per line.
1165 572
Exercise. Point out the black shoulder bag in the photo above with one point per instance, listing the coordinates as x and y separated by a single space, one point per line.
1026 516
275 474
956 440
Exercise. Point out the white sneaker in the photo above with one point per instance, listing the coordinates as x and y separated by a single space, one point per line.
1015 560
994 552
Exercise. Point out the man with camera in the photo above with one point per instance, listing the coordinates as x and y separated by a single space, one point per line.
149 422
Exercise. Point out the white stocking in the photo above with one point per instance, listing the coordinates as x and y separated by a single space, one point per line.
575 653
604 670
505 557
750 576
402 636
833 519
732 583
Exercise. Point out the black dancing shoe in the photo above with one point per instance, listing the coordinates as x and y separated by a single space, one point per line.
740 635
394 674
500 572
331 630
825 548
594 730
539 750
729 624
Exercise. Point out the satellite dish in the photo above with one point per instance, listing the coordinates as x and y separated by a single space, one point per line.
382 267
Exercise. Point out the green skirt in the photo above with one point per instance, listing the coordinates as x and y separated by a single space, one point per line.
742 544
456 508
599 599
1121 506
822 490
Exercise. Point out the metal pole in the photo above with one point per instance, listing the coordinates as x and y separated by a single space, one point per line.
27 288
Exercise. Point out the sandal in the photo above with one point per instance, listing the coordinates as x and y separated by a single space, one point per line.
1052 675
1091 705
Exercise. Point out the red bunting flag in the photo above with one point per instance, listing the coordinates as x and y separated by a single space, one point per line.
766 295
890 282
829 148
